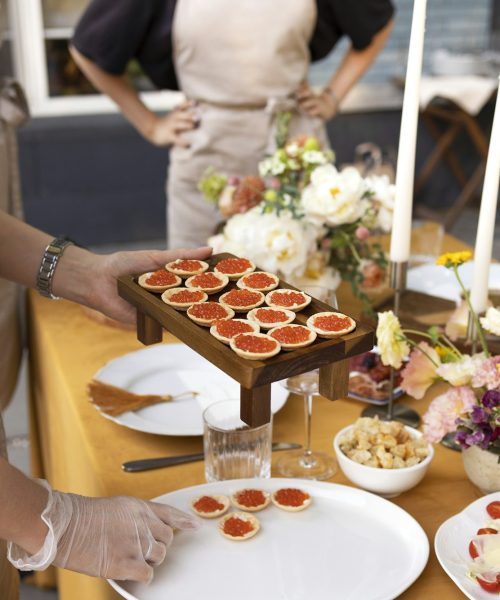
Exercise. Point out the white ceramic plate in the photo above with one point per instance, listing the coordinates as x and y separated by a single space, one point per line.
173 369
440 282
348 545
452 545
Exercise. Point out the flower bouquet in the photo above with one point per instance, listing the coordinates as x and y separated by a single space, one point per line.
305 219
470 408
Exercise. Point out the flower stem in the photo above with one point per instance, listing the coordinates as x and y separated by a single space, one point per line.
475 316
414 344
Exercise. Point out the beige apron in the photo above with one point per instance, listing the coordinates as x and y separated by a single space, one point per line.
13 113
241 61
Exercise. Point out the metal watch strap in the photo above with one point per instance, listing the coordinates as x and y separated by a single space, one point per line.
51 256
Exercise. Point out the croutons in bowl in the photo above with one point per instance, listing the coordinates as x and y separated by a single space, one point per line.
384 457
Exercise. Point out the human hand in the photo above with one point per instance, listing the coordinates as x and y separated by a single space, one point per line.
118 538
323 105
90 279
167 130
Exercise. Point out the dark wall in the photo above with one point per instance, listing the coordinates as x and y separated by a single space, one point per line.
94 179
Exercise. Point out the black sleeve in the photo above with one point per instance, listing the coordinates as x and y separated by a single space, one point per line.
110 33
359 20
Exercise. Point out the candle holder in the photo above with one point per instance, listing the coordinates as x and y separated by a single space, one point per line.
398 412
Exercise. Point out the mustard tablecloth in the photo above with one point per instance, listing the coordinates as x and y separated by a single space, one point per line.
78 450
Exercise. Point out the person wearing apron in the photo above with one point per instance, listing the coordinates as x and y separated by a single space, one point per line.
238 63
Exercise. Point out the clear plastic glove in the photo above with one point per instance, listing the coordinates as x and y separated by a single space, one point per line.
117 538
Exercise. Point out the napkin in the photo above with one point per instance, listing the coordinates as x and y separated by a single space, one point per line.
470 92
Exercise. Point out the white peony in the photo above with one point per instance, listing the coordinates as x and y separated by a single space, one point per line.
460 372
334 197
491 321
275 243
383 196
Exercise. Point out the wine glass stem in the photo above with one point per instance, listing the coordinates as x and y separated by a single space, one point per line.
307 414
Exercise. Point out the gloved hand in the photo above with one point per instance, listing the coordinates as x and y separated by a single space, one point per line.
117 538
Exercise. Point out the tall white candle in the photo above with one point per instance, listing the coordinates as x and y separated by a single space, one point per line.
487 217
405 170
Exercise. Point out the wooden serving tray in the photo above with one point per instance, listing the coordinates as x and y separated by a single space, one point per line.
255 376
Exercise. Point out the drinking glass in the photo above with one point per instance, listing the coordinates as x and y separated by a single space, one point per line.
426 242
307 463
233 450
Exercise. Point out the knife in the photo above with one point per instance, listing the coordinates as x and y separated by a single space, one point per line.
134 466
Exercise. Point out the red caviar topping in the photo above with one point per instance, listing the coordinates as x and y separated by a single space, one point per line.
161 277
291 497
258 280
186 265
254 343
207 504
291 334
288 298
208 310
236 527
250 498
232 266
206 280
230 328
269 315
332 322
185 296
242 298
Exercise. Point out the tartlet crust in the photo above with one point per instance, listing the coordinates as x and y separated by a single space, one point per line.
181 305
241 284
296 308
245 517
224 340
182 273
157 288
330 334
303 506
209 322
254 355
234 501
216 513
242 308
288 346
224 281
252 316
235 276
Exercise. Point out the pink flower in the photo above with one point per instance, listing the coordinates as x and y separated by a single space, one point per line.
420 372
443 411
362 233
487 374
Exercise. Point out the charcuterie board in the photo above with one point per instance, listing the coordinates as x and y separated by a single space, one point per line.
255 376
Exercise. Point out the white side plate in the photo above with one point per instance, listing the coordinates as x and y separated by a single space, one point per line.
452 545
173 369
347 545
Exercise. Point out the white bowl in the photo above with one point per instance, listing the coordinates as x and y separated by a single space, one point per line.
384 482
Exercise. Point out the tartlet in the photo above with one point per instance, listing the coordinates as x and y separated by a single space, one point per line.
224 330
242 300
267 318
286 298
254 346
158 281
239 526
209 282
291 499
235 267
262 281
251 500
205 313
291 337
331 324
210 507
182 298
186 267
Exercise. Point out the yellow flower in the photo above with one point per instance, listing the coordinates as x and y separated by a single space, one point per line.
452 259
391 341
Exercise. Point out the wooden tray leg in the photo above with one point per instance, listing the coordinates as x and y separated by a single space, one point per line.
149 331
334 380
256 405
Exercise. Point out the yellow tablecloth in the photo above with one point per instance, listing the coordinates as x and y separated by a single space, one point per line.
78 450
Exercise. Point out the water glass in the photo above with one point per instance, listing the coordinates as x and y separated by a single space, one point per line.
233 450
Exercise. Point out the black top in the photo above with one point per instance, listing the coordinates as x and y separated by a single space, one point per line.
111 33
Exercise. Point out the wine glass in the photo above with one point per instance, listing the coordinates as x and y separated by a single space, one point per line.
307 463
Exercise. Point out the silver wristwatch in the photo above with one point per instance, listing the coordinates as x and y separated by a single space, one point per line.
51 256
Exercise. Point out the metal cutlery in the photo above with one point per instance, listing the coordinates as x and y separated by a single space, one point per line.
147 464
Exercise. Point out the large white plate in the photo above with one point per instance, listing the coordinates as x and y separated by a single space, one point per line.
173 369
348 545
440 282
452 545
